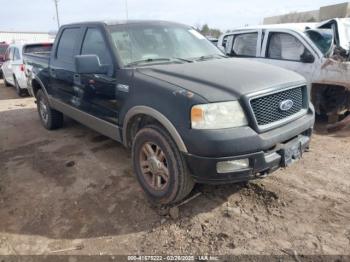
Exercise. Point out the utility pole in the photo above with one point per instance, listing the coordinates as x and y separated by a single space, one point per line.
126 9
57 17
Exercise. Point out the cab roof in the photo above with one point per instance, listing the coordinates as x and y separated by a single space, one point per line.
125 22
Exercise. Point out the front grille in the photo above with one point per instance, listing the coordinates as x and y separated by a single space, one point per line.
267 108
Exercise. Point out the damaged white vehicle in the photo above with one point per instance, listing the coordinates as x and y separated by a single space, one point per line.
318 51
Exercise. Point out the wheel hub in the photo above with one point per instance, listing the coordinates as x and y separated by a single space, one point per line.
154 166
43 111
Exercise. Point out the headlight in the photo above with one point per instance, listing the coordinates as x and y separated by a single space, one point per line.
218 115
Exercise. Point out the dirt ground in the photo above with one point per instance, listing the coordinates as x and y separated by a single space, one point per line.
75 189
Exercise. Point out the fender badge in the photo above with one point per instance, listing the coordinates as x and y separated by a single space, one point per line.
123 88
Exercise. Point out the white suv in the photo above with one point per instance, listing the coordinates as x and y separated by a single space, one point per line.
14 70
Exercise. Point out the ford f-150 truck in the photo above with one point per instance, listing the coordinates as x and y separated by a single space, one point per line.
188 113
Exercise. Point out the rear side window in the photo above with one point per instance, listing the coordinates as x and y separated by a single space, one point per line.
95 44
37 48
245 44
66 45
284 46
10 53
16 55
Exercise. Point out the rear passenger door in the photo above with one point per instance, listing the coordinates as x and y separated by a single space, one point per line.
97 92
62 66
244 44
7 65
288 49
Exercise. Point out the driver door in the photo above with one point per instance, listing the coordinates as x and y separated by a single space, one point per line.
97 92
289 50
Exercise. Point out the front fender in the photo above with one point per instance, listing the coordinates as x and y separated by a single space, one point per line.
146 110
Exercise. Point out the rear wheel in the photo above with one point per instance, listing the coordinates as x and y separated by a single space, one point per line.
6 83
159 166
50 118
19 91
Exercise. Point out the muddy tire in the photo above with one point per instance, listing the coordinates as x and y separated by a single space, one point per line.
6 83
159 166
50 118
20 92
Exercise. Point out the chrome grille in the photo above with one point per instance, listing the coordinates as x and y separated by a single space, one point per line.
267 108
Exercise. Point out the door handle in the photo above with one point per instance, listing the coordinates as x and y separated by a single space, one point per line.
53 72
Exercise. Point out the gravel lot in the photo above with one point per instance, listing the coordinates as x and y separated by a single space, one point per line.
74 189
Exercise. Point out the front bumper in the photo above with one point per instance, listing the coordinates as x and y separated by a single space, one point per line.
267 159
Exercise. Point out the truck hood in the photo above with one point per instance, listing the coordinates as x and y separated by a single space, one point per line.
224 79
341 31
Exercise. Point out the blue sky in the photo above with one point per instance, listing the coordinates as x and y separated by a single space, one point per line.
39 15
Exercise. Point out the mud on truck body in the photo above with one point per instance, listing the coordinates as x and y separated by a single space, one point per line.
318 51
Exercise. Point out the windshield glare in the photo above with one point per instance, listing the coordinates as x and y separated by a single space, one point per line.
322 38
137 42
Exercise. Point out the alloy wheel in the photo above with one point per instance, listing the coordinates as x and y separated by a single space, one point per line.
154 166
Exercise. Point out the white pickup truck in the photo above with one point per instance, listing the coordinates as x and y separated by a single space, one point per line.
318 51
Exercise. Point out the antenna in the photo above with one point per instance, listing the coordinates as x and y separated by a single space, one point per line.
57 16
126 10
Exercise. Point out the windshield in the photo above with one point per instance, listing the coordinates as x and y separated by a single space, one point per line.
3 49
322 38
161 42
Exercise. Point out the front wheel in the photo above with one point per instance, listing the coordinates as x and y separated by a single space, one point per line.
50 118
159 166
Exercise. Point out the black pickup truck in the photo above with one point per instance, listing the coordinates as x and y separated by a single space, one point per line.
188 113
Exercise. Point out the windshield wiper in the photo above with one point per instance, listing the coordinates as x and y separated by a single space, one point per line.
208 57
148 60
183 59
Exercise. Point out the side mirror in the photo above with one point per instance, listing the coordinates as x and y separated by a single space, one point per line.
89 64
307 57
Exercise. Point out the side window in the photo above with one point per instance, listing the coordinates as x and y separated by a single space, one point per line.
11 53
95 44
66 45
284 46
16 55
7 54
245 45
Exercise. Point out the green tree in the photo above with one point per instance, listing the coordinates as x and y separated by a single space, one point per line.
207 31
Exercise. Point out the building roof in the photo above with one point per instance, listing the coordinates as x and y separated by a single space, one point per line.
22 32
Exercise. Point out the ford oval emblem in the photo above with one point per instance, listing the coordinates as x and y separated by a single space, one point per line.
285 105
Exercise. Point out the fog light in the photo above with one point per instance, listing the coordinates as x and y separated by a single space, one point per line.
231 166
